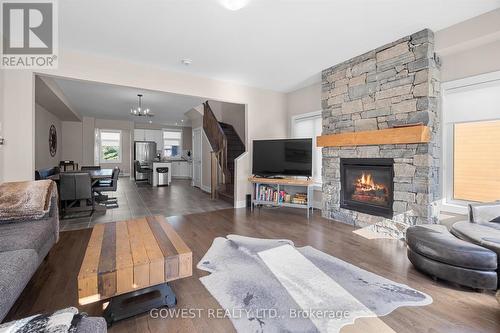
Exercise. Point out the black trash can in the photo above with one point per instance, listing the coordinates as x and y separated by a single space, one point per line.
162 176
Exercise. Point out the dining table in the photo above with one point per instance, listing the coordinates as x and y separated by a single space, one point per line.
95 175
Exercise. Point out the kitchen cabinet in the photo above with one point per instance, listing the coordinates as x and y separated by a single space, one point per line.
181 169
149 135
139 135
190 169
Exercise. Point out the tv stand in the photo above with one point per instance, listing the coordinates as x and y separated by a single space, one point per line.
281 184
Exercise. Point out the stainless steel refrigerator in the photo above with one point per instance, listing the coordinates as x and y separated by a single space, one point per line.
144 152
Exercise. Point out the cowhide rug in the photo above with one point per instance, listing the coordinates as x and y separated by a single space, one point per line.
268 285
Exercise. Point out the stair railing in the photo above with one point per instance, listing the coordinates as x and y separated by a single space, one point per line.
219 172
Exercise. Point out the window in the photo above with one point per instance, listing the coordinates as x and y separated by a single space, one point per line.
310 126
172 143
110 146
476 161
471 140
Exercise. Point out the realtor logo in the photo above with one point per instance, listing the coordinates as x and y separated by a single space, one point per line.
29 31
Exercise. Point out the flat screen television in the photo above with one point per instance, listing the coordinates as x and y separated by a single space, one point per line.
288 157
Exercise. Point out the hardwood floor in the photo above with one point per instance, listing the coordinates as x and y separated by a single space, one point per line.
454 309
142 199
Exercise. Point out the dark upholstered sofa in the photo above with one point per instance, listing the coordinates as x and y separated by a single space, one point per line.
467 254
23 247
483 227
46 173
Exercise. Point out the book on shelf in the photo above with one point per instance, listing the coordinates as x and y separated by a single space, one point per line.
271 194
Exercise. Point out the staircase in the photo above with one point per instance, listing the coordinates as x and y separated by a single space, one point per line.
235 148
227 146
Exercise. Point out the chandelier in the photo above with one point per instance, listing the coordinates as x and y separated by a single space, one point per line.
139 111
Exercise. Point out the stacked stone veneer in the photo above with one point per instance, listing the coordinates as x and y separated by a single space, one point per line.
392 85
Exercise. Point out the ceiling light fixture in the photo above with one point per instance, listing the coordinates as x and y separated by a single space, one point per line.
234 4
186 61
139 112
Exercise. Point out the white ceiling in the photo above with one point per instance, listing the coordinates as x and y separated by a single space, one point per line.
274 44
107 101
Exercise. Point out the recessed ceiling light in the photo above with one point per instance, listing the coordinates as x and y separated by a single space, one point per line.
186 61
234 4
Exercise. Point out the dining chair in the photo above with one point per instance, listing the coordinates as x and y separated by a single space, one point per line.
64 164
75 190
108 185
140 169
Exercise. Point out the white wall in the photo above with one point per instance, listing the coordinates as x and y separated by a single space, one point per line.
466 49
197 122
72 142
43 121
78 141
479 60
470 48
266 109
18 125
187 138
88 140
232 114
1 121
305 100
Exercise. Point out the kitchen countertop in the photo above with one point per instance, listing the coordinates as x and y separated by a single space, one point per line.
174 160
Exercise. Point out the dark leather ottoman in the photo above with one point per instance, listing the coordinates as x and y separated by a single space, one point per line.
434 250
485 234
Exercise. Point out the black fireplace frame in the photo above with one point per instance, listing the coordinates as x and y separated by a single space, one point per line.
375 163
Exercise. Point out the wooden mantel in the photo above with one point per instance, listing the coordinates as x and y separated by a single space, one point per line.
389 136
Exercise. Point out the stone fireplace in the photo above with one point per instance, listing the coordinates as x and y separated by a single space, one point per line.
367 185
392 86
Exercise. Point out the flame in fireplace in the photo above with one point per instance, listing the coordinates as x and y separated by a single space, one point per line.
366 189
366 183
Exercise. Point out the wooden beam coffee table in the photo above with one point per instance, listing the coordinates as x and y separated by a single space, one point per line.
130 262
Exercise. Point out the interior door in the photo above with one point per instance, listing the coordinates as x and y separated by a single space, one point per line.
197 157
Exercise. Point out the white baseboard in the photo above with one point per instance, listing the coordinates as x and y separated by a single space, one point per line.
240 204
206 188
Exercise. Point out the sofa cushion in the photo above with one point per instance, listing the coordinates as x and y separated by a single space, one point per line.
27 235
16 269
485 234
485 212
437 243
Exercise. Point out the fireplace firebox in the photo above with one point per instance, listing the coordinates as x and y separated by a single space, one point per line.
367 185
